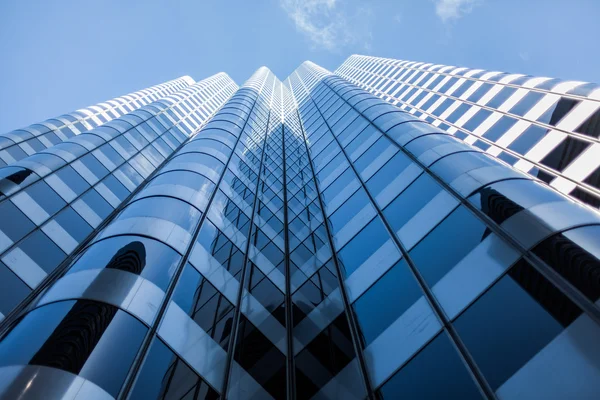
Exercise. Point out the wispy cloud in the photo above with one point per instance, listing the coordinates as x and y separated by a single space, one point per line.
451 10
330 24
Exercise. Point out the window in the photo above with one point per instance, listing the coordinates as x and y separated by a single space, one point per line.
97 203
515 320
410 201
526 103
478 94
501 96
91 164
314 291
391 296
12 290
45 335
458 113
110 156
528 139
350 209
72 179
253 347
13 223
363 246
328 353
43 251
45 197
477 119
362 142
573 255
377 155
338 187
218 246
499 128
73 224
436 372
447 244
164 375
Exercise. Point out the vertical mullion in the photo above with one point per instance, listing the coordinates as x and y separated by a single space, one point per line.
347 308
482 383
291 376
243 272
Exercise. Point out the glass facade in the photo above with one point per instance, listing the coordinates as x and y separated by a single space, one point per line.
545 127
302 239
20 143
51 202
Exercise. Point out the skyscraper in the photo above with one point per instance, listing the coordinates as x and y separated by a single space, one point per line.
299 239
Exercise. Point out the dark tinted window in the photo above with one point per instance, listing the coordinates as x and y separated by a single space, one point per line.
435 373
14 223
254 352
166 376
324 358
514 320
409 202
362 246
391 296
106 339
499 128
528 139
46 197
447 244
43 251
12 290
574 255
72 179
97 203
591 126
73 224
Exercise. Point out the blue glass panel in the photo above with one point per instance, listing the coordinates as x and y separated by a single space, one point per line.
391 296
12 290
409 202
165 376
362 246
513 321
435 373
447 244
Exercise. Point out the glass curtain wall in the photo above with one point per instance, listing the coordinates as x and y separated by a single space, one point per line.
313 241
53 201
20 143
548 128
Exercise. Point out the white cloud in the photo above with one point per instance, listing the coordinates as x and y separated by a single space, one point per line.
330 24
451 10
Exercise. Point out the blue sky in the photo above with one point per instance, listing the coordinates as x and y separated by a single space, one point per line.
61 55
